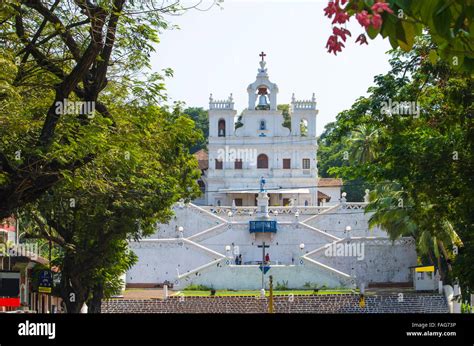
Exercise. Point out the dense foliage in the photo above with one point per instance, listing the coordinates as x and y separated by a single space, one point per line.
88 161
411 142
449 23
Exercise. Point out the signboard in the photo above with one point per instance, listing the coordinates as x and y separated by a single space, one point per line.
424 269
9 288
263 226
264 269
45 282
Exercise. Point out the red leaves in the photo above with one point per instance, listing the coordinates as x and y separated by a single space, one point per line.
341 32
333 45
330 9
340 18
380 7
377 21
362 39
365 19
340 15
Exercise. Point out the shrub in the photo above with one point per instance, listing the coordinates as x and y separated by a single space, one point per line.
197 288
283 286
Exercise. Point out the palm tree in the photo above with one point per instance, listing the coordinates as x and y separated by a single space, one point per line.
364 143
396 213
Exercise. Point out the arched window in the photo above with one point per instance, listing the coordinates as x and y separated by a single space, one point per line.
262 98
263 125
304 127
202 186
221 128
262 161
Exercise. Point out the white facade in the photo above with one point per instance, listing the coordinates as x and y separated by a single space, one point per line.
286 159
204 251
311 246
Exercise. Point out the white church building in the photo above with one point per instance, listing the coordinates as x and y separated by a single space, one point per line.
264 208
262 147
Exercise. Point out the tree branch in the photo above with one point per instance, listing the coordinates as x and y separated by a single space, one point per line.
44 231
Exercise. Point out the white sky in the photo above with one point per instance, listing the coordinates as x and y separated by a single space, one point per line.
216 52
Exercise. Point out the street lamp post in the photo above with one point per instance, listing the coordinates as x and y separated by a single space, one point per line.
302 250
227 251
347 231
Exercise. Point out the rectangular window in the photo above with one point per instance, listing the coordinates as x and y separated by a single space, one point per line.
238 202
306 164
238 164
286 163
219 164
286 202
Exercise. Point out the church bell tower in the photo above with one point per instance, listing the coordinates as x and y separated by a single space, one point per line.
262 92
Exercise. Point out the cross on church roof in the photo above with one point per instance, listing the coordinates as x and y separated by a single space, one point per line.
262 55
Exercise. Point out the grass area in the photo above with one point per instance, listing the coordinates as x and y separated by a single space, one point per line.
222 293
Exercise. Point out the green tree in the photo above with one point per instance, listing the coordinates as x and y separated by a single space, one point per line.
128 188
422 164
396 213
285 109
449 24
59 51
201 119
334 154
363 144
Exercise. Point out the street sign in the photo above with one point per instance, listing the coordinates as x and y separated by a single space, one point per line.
9 288
45 282
264 269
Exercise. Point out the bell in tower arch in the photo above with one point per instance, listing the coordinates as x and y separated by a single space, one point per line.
263 103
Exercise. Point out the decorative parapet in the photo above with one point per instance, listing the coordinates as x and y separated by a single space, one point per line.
355 205
221 104
303 104
273 210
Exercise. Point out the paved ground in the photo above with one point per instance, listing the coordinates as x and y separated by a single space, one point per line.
157 293
331 303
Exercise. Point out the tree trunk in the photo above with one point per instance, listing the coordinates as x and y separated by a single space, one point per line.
73 291
95 303
74 298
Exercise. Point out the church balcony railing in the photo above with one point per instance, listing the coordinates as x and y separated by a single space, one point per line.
304 104
275 211
221 105
263 226
354 205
